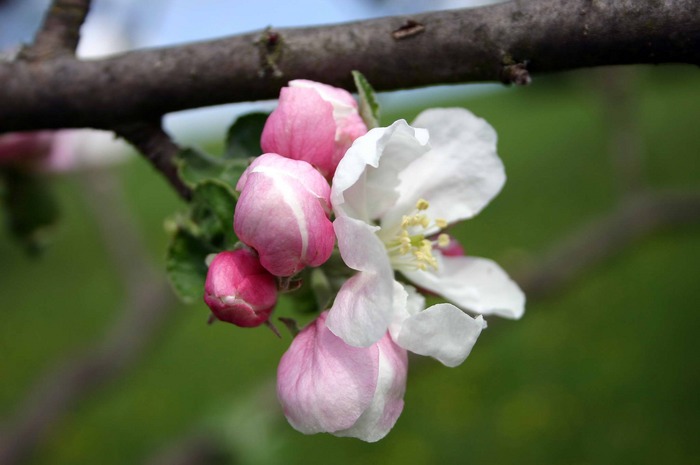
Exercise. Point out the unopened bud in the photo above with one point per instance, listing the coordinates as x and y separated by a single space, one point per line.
314 122
283 212
239 290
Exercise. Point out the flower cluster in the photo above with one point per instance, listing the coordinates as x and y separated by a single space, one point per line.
394 190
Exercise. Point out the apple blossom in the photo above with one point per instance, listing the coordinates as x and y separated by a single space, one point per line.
394 191
72 149
25 147
75 149
313 122
239 290
283 213
325 385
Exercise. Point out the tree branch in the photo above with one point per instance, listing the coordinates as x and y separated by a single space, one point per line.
60 32
503 42
157 146
149 301
636 217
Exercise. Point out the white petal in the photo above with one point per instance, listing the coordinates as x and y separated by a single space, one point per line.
407 302
363 307
442 331
365 187
472 283
460 175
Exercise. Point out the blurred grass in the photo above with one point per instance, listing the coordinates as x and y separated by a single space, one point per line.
604 372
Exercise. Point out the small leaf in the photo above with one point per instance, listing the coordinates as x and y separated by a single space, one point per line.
213 204
321 287
233 169
243 137
195 167
31 208
291 325
185 265
369 107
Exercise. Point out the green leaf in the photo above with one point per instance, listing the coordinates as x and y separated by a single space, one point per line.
206 228
185 265
232 171
243 137
321 287
369 107
32 211
195 167
213 204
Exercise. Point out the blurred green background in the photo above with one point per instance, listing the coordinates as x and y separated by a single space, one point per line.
604 370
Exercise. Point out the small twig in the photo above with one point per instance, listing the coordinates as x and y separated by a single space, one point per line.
618 88
196 449
636 217
60 32
516 73
149 301
159 149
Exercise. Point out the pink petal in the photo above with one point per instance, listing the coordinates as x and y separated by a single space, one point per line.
282 214
334 95
323 384
302 127
239 290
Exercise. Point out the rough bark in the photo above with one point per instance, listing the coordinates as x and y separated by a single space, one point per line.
505 42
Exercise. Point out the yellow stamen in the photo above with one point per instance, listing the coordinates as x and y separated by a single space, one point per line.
410 249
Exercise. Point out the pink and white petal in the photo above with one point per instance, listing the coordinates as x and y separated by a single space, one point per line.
302 173
387 403
334 95
362 310
279 214
323 384
365 193
472 283
281 243
460 175
302 127
443 332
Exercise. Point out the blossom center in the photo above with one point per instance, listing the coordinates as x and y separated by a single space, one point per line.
410 248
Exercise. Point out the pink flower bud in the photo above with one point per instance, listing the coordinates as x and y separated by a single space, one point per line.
314 122
75 149
453 248
25 147
325 385
282 213
239 290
